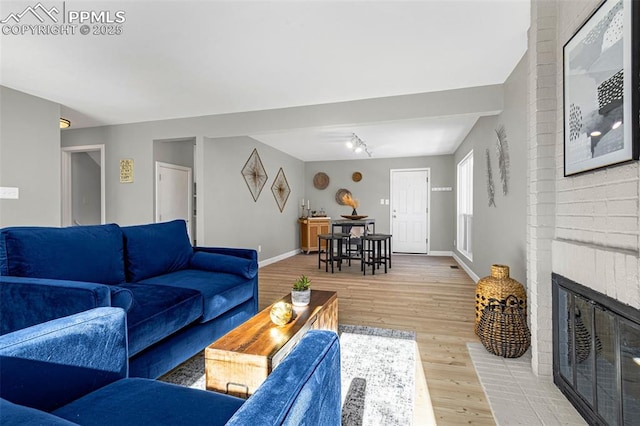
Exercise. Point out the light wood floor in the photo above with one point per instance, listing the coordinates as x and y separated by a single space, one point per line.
420 293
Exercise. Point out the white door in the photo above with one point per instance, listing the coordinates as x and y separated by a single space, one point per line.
173 193
409 210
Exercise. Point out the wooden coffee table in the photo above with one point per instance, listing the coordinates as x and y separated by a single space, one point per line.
238 362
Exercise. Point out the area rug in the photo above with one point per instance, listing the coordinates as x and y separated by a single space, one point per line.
377 370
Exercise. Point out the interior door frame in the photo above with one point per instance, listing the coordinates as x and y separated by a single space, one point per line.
428 194
66 180
189 171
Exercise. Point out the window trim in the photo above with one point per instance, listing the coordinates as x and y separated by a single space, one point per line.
461 237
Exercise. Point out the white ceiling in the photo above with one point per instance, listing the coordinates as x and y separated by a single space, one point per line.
193 58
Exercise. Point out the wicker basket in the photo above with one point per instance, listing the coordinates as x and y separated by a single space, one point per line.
503 328
498 286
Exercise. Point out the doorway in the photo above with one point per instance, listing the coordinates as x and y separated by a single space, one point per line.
174 194
410 210
83 185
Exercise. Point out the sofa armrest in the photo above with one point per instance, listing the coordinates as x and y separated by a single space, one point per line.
229 251
303 389
28 301
51 364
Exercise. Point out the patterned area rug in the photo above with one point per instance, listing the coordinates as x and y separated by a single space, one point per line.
378 375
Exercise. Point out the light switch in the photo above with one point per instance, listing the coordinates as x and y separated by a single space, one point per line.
386 202
381 201
9 193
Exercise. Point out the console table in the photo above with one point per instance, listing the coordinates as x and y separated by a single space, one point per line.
310 228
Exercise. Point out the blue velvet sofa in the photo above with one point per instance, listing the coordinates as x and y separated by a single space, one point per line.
178 298
73 370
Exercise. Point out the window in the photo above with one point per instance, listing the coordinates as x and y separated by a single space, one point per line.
465 205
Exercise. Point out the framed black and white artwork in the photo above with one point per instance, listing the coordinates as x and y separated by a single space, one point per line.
601 89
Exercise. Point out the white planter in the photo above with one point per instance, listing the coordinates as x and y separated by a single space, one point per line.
300 298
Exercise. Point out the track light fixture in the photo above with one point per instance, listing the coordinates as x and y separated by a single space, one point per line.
357 145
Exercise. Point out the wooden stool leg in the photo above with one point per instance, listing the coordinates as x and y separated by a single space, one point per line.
319 252
331 253
386 254
363 264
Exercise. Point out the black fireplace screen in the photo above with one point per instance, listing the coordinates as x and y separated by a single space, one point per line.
596 353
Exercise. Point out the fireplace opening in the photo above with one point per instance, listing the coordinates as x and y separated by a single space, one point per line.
596 353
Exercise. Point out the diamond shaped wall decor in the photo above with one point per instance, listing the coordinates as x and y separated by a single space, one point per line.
254 174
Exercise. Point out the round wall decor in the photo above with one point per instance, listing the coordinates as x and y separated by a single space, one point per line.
320 180
356 176
341 193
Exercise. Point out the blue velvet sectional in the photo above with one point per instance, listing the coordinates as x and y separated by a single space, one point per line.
178 298
73 370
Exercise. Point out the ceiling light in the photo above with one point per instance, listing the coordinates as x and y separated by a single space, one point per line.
64 123
595 133
616 124
357 145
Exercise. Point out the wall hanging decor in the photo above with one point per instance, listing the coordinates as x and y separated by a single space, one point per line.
601 85
126 171
320 180
356 176
340 193
502 148
281 189
254 174
490 188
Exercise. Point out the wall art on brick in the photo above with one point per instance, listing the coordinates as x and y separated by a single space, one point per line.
601 89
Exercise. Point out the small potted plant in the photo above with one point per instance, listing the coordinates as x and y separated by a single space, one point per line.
300 292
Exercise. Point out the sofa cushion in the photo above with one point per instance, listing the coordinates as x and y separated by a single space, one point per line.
156 249
19 415
121 297
221 292
157 312
150 402
78 253
215 262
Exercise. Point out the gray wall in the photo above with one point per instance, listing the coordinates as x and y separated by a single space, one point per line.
85 188
29 159
375 184
231 215
499 233
132 203
178 152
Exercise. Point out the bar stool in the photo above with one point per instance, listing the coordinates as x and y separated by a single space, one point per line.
331 242
387 248
372 252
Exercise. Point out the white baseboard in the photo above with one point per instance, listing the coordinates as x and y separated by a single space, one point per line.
441 253
278 258
466 268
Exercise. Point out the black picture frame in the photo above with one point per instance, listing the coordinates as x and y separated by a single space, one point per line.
601 89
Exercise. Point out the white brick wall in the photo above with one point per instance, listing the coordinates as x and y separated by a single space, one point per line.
541 178
597 213
585 227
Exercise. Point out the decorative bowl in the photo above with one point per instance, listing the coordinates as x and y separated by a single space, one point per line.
353 217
